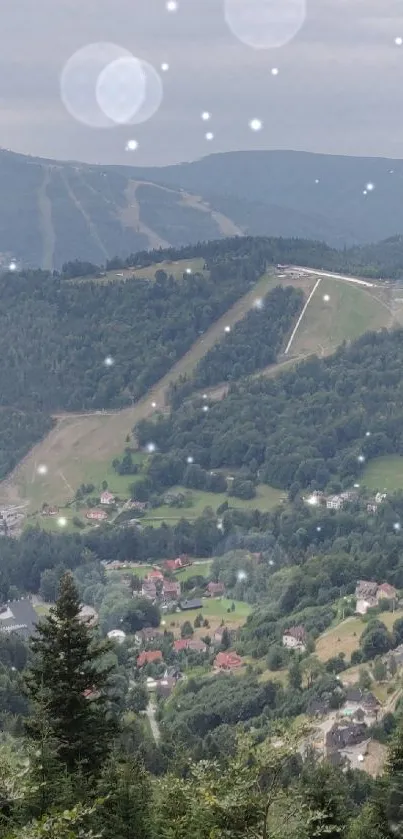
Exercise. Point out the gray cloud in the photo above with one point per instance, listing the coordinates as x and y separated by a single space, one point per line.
339 88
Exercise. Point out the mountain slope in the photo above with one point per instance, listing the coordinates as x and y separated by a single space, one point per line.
52 212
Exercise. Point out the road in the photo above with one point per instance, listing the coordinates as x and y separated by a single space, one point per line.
150 712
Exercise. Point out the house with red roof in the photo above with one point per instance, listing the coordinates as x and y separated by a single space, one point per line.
147 656
182 561
155 575
227 661
96 515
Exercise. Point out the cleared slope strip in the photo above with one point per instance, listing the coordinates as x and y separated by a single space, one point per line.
81 440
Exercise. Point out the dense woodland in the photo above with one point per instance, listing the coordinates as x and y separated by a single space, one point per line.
253 343
313 426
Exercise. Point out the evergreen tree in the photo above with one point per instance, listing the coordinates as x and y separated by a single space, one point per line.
69 680
125 812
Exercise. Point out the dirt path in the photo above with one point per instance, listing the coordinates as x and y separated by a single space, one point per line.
131 218
88 220
48 233
80 441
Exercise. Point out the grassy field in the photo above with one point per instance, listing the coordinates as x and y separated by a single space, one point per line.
384 473
197 569
350 311
215 610
140 571
345 637
177 269
267 498
84 445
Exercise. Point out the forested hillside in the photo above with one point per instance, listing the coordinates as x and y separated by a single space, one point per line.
317 423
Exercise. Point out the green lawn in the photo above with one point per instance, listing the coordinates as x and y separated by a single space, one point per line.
177 269
197 569
384 473
140 571
97 472
267 498
349 312
217 608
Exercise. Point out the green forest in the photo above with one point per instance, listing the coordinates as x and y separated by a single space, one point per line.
314 426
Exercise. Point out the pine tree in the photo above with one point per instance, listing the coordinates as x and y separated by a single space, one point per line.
125 792
68 682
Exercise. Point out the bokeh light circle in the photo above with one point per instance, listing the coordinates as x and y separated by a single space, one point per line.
153 94
265 24
78 82
120 89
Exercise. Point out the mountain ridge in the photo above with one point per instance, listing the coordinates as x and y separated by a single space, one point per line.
52 211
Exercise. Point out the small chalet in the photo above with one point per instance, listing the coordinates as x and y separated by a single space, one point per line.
107 498
96 515
147 656
215 589
342 735
295 638
227 661
165 686
334 502
50 511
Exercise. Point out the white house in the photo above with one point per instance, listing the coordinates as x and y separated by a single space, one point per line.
295 638
107 498
334 502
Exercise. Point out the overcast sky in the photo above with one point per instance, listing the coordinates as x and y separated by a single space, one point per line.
339 87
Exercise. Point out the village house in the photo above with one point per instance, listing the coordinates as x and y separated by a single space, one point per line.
295 638
145 636
171 591
107 498
154 575
227 661
369 595
50 511
365 593
342 735
96 515
88 615
334 502
18 616
137 505
182 561
164 687
190 644
215 589
372 507
148 590
148 656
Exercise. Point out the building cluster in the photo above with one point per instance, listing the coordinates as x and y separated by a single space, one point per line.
369 594
223 660
295 638
337 502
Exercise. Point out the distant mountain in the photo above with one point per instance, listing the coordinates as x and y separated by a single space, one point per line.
51 212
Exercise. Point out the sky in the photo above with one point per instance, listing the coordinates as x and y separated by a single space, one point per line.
337 85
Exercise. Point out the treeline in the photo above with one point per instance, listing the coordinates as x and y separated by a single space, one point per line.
380 260
19 430
314 426
252 344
